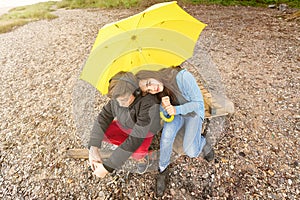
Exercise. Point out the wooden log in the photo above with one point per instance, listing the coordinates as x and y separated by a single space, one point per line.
77 153
212 108
84 153
293 16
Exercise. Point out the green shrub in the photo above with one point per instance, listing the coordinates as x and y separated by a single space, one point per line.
25 14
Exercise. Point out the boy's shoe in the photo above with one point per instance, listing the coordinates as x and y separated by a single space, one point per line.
143 165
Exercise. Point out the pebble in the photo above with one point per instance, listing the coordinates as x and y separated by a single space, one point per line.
183 190
172 191
206 175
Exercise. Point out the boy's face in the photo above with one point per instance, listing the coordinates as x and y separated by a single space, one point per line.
125 100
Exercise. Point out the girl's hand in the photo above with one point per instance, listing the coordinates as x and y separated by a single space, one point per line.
166 104
165 101
170 110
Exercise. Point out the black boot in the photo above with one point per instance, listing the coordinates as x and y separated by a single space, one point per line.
208 152
161 182
210 156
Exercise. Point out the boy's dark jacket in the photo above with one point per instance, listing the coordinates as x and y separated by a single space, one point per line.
141 116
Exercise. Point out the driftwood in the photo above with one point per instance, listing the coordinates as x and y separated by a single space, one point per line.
214 109
77 153
293 16
84 153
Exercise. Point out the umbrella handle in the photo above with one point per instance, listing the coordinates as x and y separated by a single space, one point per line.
166 119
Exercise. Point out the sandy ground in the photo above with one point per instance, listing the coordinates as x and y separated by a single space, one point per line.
256 54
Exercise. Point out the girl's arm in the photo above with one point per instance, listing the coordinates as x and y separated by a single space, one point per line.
191 92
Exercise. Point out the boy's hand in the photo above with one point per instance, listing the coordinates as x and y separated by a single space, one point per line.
100 170
94 157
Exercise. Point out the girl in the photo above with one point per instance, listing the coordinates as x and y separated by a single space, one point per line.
181 97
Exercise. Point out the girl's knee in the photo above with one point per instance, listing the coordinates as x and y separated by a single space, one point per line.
191 152
166 140
168 135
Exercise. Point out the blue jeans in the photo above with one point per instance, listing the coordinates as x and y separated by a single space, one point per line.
193 141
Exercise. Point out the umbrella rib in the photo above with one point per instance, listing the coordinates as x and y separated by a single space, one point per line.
141 52
140 20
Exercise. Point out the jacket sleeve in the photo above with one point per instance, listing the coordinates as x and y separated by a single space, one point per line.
101 123
190 90
147 119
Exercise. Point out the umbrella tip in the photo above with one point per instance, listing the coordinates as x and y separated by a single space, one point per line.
133 37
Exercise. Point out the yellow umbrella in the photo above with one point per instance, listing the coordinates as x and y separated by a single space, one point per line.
163 35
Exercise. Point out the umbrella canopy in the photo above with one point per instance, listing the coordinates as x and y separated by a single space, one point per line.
163 35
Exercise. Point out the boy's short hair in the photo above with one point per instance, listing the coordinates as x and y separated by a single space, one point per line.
121 84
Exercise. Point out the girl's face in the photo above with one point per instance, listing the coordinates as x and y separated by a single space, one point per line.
151 86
